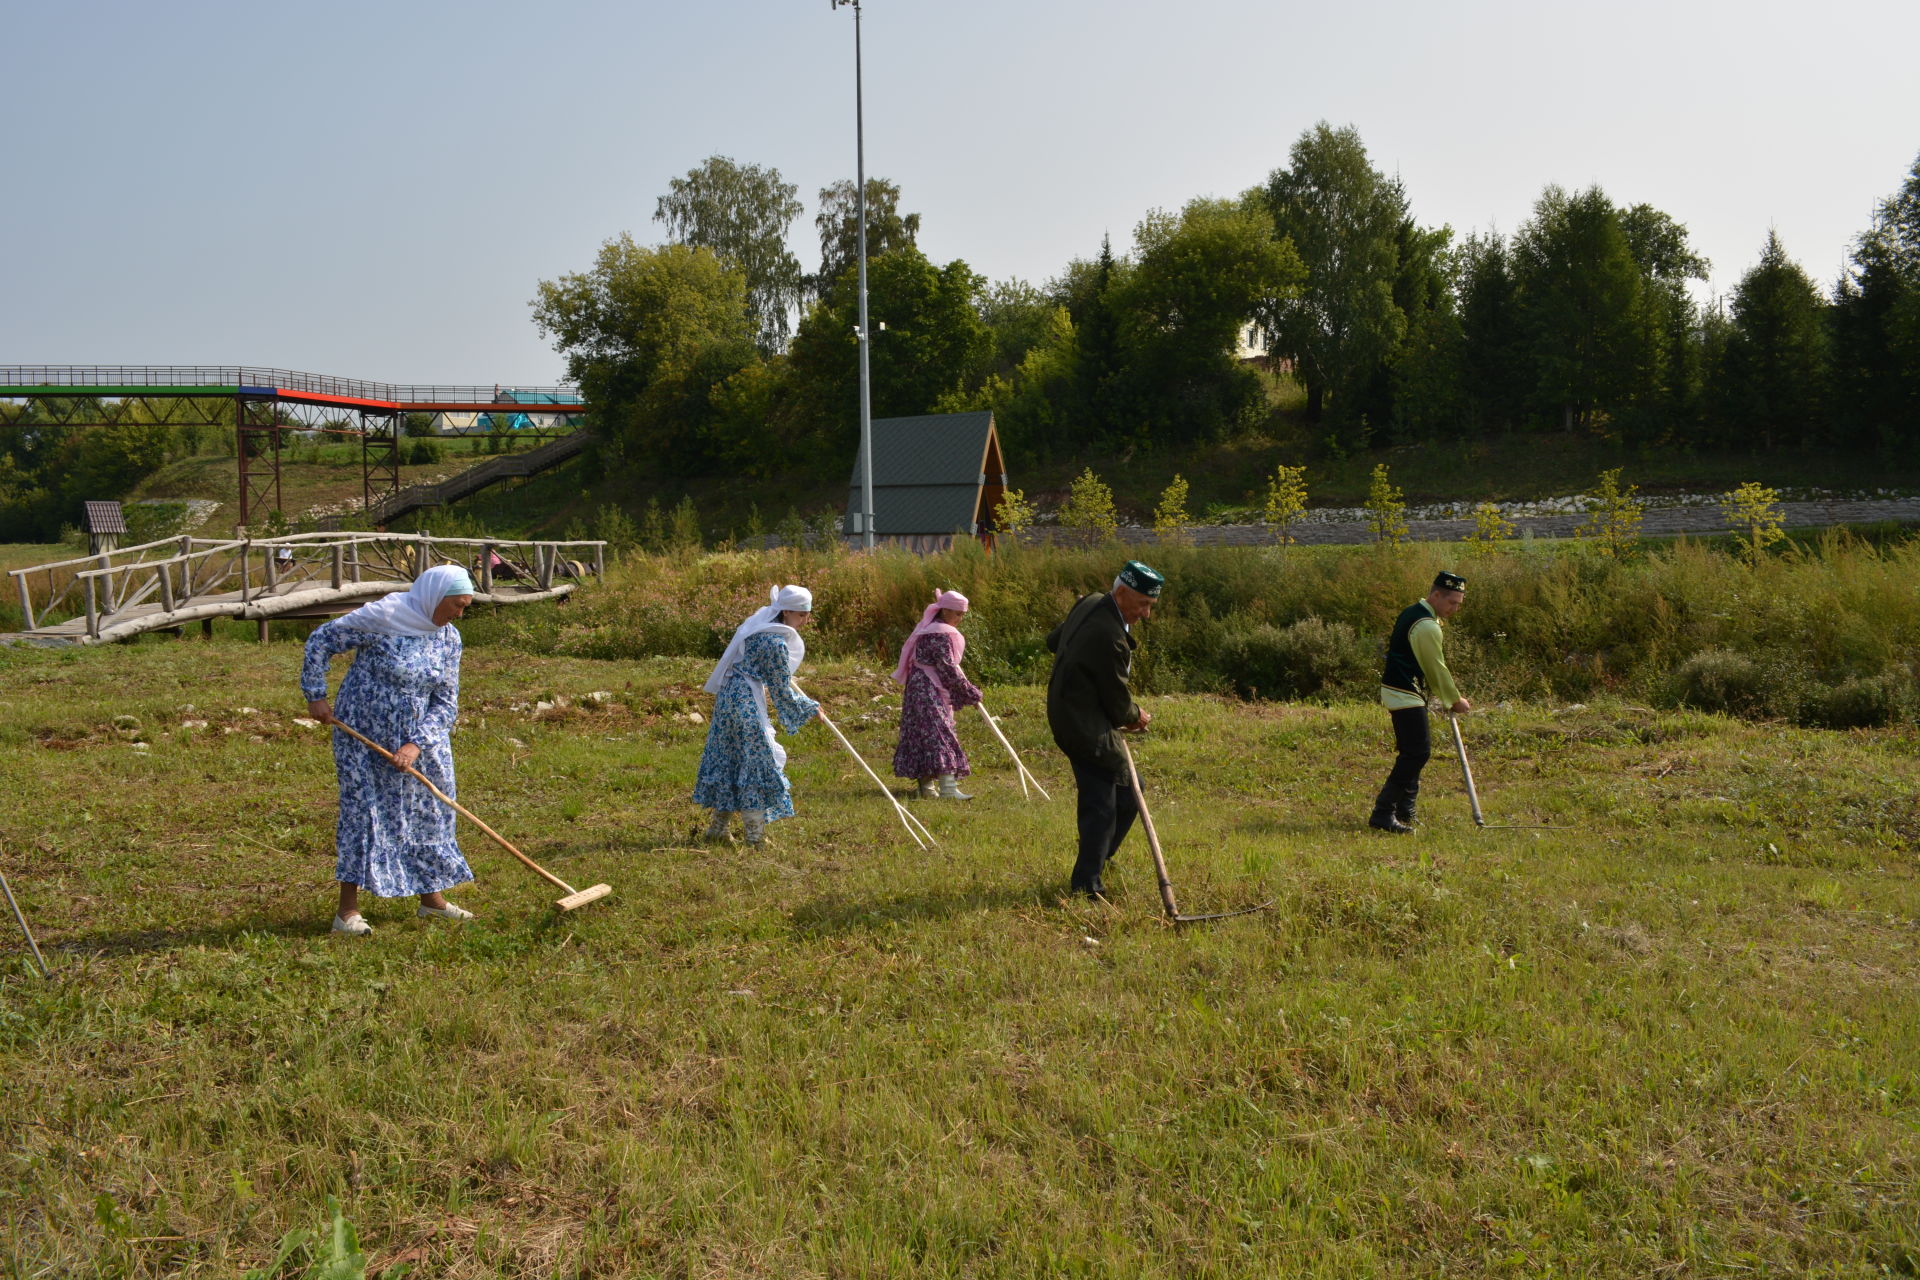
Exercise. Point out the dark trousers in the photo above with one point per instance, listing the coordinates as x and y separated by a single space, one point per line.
1413 744
1106 810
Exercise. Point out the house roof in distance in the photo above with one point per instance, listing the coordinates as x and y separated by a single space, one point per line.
928 471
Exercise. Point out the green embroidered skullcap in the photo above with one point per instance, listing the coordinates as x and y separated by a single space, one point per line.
1142 579
1447 581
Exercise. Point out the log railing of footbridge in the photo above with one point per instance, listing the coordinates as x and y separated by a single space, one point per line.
161 585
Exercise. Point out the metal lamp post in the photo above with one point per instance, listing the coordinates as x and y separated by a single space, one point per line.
864 521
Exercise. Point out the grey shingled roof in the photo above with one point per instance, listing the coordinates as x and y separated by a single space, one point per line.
926 472
103 517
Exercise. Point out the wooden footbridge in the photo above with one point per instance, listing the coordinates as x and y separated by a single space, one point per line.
162 586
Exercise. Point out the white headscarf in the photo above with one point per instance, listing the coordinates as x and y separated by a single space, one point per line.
780 599
410 612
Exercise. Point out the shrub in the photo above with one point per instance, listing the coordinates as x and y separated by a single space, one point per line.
1308 659
1089 509
1721 680
424 451
1864 702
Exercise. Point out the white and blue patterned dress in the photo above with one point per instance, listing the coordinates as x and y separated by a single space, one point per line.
741 767
394 839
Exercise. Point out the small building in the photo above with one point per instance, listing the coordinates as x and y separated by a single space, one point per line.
935 477
104 524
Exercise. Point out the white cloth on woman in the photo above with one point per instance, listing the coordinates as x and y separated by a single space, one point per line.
779 601
410 612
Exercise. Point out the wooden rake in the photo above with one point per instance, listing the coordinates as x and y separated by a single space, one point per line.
915 828
1018 763
1473 794
1160 859
575 897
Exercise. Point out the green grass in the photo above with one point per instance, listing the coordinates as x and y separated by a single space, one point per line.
1678 1039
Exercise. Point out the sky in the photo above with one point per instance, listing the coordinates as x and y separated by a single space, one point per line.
374 190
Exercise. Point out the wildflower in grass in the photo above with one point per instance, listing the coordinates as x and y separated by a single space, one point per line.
1613 516
1286 500
1170 518
1386 510
1755 509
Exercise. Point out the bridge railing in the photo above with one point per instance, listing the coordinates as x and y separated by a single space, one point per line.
195 375
209 578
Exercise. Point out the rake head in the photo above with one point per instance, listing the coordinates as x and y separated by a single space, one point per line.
582 897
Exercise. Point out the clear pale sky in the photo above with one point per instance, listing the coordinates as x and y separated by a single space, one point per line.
374 190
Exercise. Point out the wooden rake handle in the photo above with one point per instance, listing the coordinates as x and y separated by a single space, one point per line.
1153 837
921 837
457 807
1026 775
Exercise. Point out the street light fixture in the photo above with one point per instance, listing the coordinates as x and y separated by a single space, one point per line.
863 520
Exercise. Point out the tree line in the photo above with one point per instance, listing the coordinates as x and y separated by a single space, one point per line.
716 350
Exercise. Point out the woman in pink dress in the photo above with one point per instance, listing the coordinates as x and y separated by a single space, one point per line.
929 750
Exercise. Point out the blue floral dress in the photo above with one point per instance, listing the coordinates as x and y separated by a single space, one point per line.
394 839
741 767
935 686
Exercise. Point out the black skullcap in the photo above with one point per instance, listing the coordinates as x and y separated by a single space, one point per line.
1448 581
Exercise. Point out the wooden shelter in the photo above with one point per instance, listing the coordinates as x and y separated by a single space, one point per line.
103 523
935 477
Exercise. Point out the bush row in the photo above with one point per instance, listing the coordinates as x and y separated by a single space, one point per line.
1825 635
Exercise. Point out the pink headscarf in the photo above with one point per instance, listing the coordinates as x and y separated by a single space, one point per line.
945 600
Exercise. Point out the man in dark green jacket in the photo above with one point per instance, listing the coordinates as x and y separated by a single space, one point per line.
1088 704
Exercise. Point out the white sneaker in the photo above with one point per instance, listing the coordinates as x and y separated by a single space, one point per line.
448 912
356 927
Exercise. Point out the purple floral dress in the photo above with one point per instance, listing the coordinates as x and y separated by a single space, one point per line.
394 839
935 686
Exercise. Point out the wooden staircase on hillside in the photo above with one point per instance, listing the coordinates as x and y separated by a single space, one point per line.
473 479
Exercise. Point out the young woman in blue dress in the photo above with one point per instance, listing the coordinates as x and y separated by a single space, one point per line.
742 769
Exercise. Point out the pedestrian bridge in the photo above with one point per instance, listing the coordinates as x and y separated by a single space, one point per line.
163 586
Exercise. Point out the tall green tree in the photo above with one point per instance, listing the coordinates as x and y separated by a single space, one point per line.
1876 326
1198 276
1343 217
838 222
1773 369
742 213
1494 385
1577 290
934 345
648 334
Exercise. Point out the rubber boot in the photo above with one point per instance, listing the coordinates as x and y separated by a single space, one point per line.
929 788
755 821
717 829
950 788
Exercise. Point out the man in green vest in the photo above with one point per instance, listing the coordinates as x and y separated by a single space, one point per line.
1415 671
1089 705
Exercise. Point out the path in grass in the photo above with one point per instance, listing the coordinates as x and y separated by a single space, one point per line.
1680 1038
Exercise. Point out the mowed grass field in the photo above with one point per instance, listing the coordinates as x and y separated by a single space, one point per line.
1680 1038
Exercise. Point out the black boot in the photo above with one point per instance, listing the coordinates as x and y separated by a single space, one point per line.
1383 818
1403 805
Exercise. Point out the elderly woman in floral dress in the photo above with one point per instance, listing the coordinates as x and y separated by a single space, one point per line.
929 750
402 691
742 768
